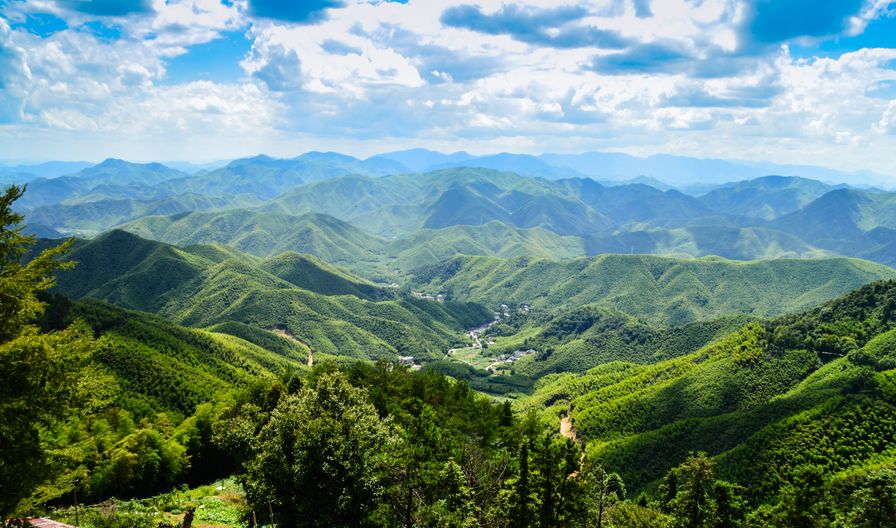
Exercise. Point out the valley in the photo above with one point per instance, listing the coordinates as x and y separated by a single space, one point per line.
464 311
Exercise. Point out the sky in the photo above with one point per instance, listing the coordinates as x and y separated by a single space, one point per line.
788 81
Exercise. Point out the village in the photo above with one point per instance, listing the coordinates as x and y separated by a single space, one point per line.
475 354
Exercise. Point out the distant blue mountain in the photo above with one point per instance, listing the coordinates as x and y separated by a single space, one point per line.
50 169
684 171
419 160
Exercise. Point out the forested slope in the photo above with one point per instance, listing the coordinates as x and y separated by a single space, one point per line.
654 289
328 308
817 388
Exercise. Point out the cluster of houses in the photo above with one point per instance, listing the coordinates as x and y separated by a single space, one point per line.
515 355
409 362
438 297
505 310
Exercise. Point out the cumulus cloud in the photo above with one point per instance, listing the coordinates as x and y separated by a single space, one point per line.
544 27
887 123
714 77
279 68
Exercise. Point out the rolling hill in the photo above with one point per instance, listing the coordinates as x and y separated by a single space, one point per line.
267 234
767 197
736 243
328 309
655 289
811 388
268 177
767 217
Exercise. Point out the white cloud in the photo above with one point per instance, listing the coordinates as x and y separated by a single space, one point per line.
407 80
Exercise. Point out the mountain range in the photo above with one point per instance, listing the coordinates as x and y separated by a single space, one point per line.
760 333
377 216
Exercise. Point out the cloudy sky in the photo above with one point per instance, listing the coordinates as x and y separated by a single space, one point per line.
799 81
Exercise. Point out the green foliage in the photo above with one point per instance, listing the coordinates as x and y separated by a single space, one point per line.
342 315
316 459
45 374
757 406
655 290
21 283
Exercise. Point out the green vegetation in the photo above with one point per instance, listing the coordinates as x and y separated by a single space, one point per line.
579 339
661 392
44 371
656 290
267 234
809 389
318 305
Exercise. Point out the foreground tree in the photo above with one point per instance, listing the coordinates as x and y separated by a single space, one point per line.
697 500
604 489
41 381
318 460
874 504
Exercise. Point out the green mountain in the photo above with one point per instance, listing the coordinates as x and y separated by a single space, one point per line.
266 234
92 216
329 309
427 247
816 388
112 179
119 172
169 367
268 177
310 273
768 197
655 289
736 243
402 204
331 240
636 204
578 339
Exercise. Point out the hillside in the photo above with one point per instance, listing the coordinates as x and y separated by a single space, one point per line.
253 199
267 234
767 198
93 214
736 243
329 309
171 367
267 177
813 388
655 289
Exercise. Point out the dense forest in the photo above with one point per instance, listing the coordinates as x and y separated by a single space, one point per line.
738 421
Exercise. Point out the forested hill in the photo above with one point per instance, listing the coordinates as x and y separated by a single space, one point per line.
330 309
814 389
654 289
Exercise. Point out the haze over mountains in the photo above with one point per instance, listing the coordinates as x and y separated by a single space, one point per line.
401 210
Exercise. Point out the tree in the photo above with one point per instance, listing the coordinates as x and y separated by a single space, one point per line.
521 507
805 501
729 504
455 508
873 503
42 380
20 282
319 459
694 505
605 489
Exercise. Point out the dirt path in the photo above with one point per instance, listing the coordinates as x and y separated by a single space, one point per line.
567 429
285 334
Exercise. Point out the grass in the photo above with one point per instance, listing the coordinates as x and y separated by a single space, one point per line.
221 504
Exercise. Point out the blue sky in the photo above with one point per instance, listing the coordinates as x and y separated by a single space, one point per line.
797 81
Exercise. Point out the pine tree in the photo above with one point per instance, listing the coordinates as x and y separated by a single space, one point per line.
41 370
